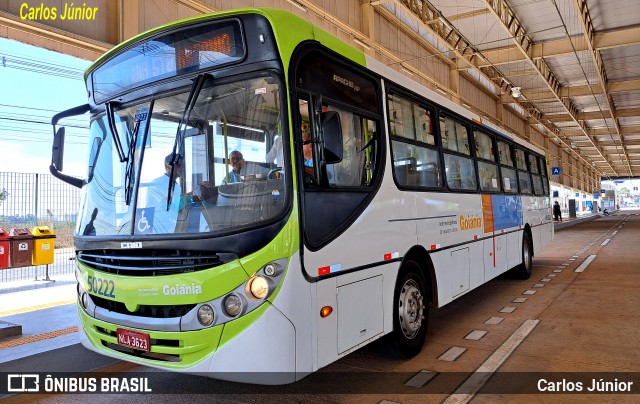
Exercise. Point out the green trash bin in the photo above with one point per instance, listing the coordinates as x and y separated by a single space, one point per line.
21 247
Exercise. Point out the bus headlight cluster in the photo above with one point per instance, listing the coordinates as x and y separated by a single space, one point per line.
242 300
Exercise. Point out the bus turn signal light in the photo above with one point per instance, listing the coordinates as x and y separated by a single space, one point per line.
326 311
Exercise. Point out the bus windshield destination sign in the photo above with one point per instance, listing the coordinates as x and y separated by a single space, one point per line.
160 57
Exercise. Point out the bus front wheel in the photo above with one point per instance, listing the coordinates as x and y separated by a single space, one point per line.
410 312
523 271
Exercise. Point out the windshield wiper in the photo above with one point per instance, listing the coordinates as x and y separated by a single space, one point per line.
182 127
128 173
114 132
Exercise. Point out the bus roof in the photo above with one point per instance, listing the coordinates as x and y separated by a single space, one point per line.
290 30
295 30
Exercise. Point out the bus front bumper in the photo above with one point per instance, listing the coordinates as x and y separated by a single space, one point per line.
262 352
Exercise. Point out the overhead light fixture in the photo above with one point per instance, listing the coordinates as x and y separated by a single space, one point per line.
231 125
359 42
516 92
296 4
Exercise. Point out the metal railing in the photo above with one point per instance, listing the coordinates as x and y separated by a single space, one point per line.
29 200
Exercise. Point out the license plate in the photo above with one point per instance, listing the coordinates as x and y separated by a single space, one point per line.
133 339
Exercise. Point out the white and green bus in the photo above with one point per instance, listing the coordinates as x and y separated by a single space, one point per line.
262 199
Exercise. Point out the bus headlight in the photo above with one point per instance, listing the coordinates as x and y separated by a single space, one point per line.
258 287
232 305
205 315
85 300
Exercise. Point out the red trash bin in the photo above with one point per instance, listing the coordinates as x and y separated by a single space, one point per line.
4 249
21 246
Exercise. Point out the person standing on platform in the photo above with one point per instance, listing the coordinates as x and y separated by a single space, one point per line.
557 214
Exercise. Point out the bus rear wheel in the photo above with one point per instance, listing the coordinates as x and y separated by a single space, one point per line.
410 312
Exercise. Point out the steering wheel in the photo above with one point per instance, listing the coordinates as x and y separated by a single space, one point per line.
272 173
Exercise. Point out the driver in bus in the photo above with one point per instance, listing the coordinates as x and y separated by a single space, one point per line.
237 161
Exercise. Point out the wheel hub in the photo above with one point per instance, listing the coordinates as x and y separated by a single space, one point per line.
411 308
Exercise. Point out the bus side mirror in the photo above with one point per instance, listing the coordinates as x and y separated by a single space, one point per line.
332 135
57 155
57 151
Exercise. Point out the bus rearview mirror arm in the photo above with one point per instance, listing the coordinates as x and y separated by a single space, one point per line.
57 151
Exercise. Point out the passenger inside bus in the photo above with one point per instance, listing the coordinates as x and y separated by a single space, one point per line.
164 221
276 154
307 152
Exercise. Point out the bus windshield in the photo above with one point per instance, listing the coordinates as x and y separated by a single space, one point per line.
215 165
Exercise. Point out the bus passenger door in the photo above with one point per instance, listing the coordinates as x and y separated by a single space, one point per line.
338 156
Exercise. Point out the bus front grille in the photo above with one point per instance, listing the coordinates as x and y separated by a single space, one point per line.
151 262
156 311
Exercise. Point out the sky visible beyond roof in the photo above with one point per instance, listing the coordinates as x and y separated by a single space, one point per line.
35 84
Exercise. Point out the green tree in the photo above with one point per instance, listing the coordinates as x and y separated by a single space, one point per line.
3 195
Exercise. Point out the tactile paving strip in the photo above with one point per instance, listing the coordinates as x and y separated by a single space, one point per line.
39 337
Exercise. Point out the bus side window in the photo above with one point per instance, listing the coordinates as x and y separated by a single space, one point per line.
416 160
358 151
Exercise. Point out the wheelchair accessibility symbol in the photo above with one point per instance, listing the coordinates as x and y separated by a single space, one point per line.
144 221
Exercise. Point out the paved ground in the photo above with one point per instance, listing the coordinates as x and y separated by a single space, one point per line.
576 319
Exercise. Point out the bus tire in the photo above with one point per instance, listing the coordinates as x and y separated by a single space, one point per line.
410 312
523 271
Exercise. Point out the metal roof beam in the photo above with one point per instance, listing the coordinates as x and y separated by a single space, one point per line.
620 86
195 5
587 31
624 130
464 50
53 34
565 46
586 116
510 23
